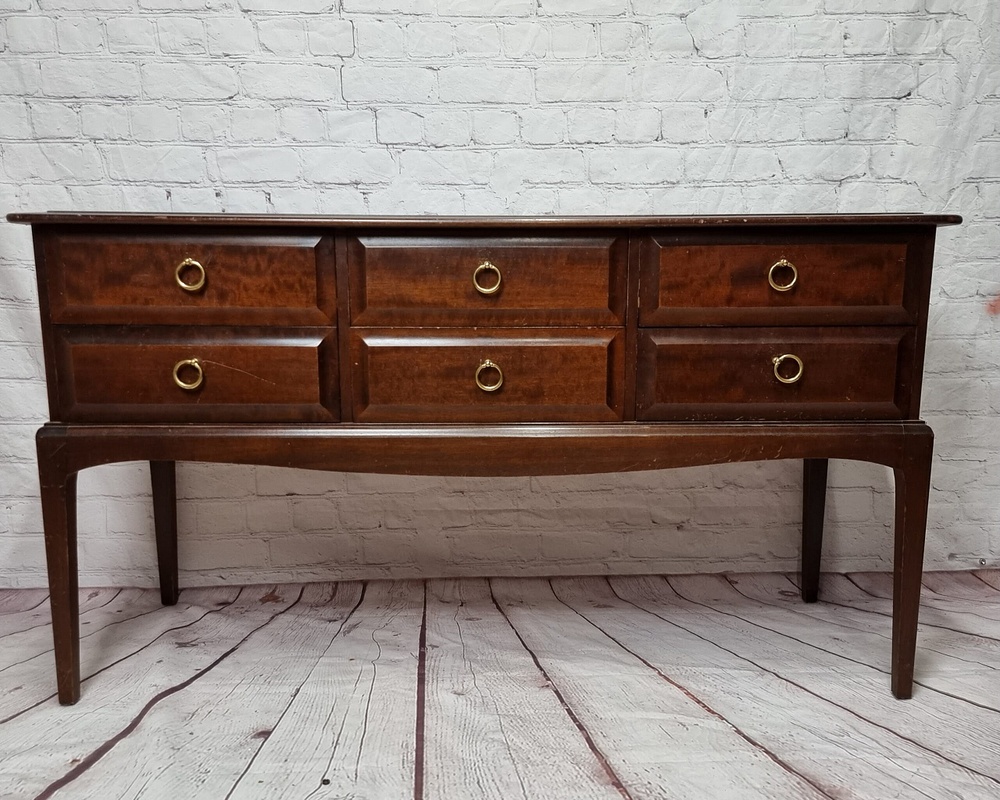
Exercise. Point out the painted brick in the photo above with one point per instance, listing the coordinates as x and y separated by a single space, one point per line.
290 82
506 107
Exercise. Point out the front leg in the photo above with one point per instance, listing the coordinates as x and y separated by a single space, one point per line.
814 472
913 483
163 477
58 492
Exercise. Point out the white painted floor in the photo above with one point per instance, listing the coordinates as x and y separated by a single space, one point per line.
684 687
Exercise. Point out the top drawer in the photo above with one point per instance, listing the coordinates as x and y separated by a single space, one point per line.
775 278
231 278
513 279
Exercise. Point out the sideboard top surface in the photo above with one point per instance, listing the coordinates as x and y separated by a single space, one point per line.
309 220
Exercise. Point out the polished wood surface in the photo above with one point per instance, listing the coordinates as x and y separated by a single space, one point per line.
472 221
249 277
548 375
354 344
543 280
248 375
729 373
690 278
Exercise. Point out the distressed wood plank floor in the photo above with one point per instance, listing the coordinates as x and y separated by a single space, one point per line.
631 688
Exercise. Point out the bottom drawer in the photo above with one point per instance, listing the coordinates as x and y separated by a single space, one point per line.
730 373
462 375
119 374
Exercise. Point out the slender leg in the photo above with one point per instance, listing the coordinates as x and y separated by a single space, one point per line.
165 522
813 509
913 481
59 520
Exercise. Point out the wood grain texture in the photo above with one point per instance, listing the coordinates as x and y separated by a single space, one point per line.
106 276
353 720
631 687
494 721
472 221
729 373
689 278
420 280
548 375
249 374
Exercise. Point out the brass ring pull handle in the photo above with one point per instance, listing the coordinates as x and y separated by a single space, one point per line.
190 287
779 360
782 264
486 266
489 387
192 385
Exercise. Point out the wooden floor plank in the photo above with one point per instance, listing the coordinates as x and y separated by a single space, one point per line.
349 732
959 586
844 605
652 732
230 712
972 617
850 670
38 616
31 681
126 604
767 696
13 601
845 590
990 577
493 722
730 688
124 691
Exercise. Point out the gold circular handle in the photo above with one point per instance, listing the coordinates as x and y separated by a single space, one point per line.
779 360
190 287
489 387
189 362
782 264
486 266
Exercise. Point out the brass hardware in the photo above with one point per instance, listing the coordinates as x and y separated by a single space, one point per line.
188 362
489 387
779 360
190 287
486 266
782 287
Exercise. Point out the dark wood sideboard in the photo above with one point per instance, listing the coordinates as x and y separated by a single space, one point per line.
482 346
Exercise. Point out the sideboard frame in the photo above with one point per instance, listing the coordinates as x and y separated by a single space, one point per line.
483 450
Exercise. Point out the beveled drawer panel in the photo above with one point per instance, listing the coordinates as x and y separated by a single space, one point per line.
572 279
241 375
774 279
135 277
730 373
533 375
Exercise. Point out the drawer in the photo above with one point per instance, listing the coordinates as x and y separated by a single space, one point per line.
515 279
775 279
536 375
114 374
133 278
729 373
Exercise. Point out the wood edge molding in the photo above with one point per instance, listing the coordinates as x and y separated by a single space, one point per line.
475 450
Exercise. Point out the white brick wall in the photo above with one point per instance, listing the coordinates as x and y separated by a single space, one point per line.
516 107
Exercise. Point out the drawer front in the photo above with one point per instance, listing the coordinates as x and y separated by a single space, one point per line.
246 374
521 279
695 279
729 373
132 278
544 375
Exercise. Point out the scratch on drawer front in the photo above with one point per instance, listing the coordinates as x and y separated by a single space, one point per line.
234 369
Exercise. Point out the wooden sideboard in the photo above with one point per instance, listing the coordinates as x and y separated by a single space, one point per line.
482 346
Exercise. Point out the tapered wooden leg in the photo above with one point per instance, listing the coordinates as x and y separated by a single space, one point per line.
163 475
58 492
813 510
913 481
